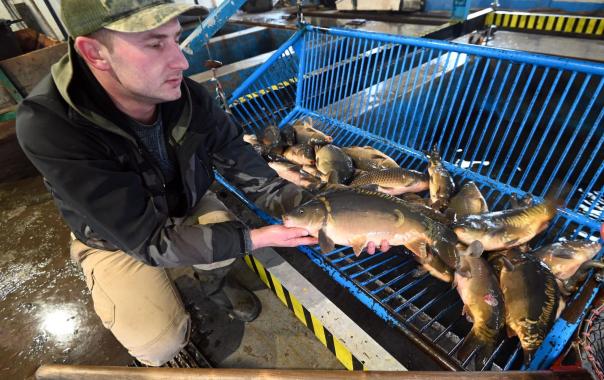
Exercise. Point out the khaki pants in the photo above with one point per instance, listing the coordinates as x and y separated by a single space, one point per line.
139 303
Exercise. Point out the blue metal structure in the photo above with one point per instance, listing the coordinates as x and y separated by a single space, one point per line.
515 123
566 5
210 25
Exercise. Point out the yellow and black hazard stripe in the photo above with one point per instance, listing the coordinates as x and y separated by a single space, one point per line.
275 87
583 25
314 325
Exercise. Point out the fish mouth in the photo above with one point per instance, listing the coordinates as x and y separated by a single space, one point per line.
286 220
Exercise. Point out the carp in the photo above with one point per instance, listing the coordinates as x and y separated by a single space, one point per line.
271 136
306 134
333 164
393 181
564 258
301 154
442 185
483 304
294 173
468 201
531 298
288 135
505 229
355 217
368 158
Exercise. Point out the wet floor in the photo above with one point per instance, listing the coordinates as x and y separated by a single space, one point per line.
46 313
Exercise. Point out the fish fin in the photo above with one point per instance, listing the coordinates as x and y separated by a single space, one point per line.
528 356
327 245
447 252
451 215
514 201
472 344
507 264
464 271
438 205
510 333
419 271
511 243
358 244
418 248
368 187
333 177
375 156
465 311
475 249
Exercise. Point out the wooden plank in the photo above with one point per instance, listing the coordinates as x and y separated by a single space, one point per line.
26 70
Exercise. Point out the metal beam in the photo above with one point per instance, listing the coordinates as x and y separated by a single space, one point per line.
212 24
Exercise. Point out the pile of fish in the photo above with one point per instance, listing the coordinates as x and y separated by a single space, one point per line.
363 195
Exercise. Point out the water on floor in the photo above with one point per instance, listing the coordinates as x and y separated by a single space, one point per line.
46 313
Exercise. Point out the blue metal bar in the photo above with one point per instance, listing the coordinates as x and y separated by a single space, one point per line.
416 129
210 25
379 263
382 274
476 50
265 66
441 78
361 261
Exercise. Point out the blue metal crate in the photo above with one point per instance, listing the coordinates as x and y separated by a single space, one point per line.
513 122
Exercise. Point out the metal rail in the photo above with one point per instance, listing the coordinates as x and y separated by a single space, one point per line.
513 122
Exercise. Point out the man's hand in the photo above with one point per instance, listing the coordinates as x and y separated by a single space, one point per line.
280 236
384 247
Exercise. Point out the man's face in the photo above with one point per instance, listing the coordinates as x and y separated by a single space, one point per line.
148 66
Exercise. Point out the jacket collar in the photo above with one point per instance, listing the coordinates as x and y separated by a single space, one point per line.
66 74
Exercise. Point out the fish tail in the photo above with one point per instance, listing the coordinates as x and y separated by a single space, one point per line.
528 356
477 347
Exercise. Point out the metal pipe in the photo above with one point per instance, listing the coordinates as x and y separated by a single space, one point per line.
69 372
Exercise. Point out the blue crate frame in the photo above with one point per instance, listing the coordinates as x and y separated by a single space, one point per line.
402 95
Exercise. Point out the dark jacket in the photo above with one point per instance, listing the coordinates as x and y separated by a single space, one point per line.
109 191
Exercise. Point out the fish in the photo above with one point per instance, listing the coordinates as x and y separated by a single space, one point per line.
271 136
294 173
306 134
301 154
357 216
564 258
251 139
442 185
483 304
433 264
311 169
393 181
368 158
531 297
468 201
288 136
333 164
505 229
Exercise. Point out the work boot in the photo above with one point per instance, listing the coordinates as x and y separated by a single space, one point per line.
222 288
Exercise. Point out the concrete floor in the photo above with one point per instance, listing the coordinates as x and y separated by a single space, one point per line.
46 312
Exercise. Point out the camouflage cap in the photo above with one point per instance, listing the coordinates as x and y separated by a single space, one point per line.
83 17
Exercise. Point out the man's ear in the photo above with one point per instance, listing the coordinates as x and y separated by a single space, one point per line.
93 52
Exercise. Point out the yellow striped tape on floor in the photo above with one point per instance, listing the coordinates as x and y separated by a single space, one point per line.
585 25
332 343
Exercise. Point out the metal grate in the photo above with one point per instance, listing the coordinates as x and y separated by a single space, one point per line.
515 123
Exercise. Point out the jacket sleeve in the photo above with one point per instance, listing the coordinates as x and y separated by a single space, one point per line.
95 192
237 161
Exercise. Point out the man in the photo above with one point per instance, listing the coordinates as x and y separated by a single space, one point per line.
127 145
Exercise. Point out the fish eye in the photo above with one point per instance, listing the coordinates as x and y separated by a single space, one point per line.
301 211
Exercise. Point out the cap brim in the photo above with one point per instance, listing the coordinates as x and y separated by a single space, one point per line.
155 16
